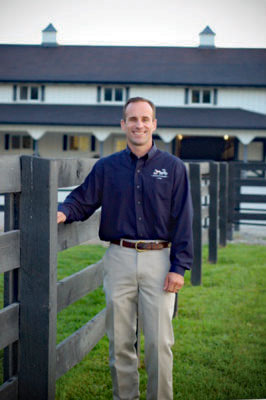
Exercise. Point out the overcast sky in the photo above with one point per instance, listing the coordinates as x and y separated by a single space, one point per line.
237 23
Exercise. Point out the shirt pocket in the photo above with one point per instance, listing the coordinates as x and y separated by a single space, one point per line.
161 189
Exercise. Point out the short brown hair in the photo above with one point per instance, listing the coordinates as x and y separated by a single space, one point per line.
137 100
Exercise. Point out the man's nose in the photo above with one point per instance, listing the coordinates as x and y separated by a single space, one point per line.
139 123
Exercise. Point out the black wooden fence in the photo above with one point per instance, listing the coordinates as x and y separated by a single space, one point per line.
209 189
29 249
28 258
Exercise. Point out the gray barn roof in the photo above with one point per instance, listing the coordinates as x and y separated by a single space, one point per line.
168 117
133 65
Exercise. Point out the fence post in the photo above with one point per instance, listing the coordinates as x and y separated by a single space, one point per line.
238 174
38 308
213 212
223 206
11 222
195 183
231 200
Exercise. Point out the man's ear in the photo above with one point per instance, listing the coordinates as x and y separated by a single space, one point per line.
154 124
122 123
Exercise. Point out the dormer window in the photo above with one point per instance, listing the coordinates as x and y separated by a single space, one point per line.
108 94
113 94
201 96
28 93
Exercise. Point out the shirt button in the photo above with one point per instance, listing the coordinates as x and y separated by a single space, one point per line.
138 186
139 202
138 171
140 218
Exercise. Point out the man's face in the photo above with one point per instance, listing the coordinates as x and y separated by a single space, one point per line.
139 125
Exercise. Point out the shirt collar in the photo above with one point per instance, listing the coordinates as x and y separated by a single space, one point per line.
147 156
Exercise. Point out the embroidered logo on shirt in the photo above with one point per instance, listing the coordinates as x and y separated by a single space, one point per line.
159 174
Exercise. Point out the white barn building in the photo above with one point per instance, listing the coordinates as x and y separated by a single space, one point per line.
66 101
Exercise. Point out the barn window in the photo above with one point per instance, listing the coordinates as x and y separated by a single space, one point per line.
29 93
201 96
114 94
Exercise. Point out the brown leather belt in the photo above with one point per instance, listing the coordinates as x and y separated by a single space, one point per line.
142 246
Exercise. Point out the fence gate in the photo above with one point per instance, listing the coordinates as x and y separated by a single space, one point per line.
247 184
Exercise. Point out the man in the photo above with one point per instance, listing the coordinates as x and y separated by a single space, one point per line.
145 199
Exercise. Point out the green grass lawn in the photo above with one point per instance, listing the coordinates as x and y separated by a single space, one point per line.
219 351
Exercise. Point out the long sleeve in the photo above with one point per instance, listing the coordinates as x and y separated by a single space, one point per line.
181 255
81 203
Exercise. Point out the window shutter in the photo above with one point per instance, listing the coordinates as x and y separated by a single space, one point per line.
14 92
186 95
42 93
127 93
98 94
93 143
215 97
65 142
7 141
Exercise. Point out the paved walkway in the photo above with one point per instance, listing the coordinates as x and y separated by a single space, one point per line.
251 234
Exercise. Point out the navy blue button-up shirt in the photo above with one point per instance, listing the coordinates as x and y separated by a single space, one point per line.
141 198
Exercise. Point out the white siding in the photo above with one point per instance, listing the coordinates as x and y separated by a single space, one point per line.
249 99
6 93
167 96
70 94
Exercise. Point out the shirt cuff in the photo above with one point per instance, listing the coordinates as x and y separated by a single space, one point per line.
64 210
178 269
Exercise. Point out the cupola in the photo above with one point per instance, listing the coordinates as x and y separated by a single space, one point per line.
49 36
207 38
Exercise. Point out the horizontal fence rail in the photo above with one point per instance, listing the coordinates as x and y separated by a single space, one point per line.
9 390
9 251
251 182
73 349
70 235
78 285
252 198
9 325
72 172
10 176
250 216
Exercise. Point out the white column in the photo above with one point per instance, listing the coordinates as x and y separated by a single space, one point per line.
167 136
101 135
36 133
245 139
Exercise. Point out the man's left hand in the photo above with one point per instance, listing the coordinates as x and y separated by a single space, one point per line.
173 282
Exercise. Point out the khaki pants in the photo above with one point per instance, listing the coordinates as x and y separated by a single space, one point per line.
135 279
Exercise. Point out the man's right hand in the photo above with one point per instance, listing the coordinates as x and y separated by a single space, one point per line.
60 217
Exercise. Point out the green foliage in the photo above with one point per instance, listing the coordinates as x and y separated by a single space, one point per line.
219 351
